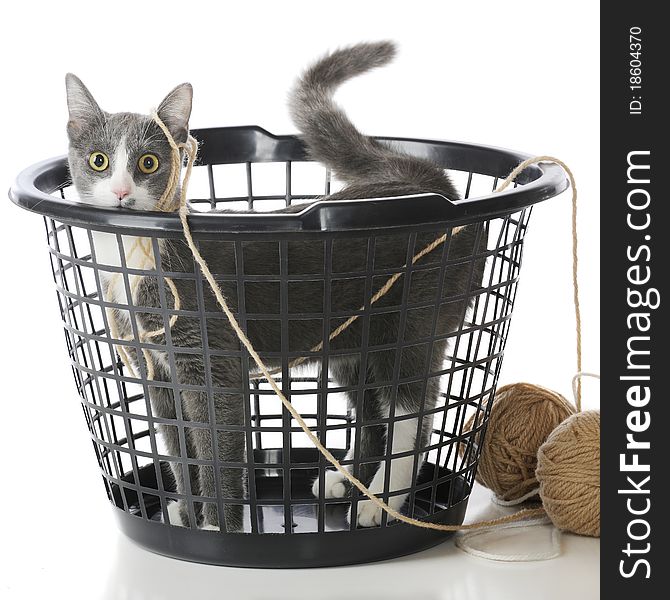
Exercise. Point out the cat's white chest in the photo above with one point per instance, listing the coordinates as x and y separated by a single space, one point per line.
138 254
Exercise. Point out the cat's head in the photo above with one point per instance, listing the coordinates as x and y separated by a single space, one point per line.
122 159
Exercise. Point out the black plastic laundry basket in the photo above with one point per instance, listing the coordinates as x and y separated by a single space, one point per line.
284 524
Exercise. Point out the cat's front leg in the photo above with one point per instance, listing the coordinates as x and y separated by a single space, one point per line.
369 515
335 485
371 443
162 403
228 482
402 469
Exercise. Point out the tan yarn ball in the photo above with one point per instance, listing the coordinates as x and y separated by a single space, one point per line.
568 470
522 417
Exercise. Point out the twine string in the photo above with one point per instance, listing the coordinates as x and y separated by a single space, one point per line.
167 202
468 543
575 259
576 389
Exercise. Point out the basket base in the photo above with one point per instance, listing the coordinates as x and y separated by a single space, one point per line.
301 547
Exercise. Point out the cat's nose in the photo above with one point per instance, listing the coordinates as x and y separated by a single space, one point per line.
121 193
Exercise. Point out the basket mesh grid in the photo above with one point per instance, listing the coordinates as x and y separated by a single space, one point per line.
279 463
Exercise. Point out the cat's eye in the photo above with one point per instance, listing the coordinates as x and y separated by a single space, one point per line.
148 163
98 161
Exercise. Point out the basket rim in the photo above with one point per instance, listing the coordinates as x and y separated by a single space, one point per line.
34 185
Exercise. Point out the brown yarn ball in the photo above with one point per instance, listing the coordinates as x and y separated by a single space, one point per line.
568 470
522 417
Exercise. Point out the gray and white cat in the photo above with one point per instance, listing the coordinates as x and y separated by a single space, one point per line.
370 169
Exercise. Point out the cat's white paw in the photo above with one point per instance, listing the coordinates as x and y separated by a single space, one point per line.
334 485
208 527
369 515
174 514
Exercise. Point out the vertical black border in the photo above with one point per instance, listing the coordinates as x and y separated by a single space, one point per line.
623 248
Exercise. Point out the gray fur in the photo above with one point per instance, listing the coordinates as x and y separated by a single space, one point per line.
368 166
92 129
370 170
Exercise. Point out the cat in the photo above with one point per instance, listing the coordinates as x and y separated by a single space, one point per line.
369 169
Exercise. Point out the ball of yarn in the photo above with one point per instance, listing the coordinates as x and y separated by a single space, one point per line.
521 419
568 470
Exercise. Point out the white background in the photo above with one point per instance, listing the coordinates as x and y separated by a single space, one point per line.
522 75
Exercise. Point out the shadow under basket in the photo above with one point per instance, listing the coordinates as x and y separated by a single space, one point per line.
338 545
389 396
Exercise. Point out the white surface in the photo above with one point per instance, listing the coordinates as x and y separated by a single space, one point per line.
98 562
521 75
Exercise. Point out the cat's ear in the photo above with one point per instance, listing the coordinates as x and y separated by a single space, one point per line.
81 105
175 111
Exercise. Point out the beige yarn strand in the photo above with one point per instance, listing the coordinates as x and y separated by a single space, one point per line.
183 215
164 203
440 240
575 259
381 292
